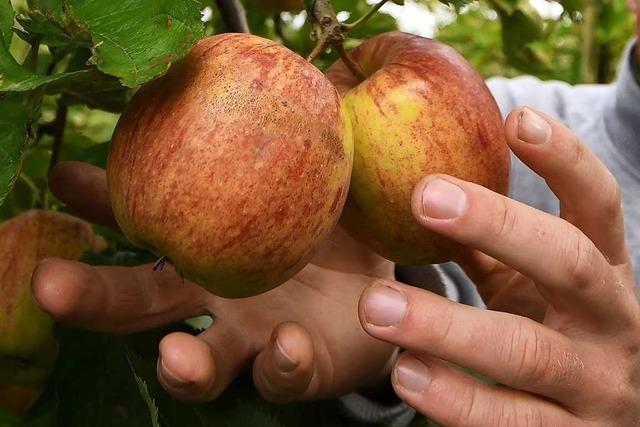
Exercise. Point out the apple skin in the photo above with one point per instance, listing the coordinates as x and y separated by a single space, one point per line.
235 164
275 6
28 348
422 110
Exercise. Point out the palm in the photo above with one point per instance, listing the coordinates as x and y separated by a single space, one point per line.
323 299
315 314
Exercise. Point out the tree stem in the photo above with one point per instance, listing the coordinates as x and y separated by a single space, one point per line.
589 61
234 16
31 61
59 123
353 25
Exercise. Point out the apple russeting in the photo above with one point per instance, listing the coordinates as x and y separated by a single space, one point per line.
235 165
28 348
421 110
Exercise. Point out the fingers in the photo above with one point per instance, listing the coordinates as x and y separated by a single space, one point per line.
200 368
114 299
449 397
283 371
83 187
588 192
513 350
568 269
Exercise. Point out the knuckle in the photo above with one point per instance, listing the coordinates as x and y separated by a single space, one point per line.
613 202
580 262
578 151
528 353
511 416
469 409
506 223
439 333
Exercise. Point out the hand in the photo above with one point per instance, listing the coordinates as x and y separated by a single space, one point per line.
581 365
303 340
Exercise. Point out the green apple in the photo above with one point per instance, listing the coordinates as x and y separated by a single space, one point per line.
421 110
28 348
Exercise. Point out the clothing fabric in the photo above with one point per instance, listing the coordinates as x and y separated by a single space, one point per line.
607 119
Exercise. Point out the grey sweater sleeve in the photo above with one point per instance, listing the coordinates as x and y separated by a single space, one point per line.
607 119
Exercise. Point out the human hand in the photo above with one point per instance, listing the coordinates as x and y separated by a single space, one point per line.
581 365
302 340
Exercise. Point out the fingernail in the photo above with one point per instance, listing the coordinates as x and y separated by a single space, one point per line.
170 377
283 361
384 306
532 128
412 374
442 199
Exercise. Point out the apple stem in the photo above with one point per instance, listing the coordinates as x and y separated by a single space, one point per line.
352 26
351 65
159 265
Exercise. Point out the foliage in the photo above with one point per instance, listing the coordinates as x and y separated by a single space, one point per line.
68 68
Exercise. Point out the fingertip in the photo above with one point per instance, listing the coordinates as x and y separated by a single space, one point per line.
283 371
411 375
59 287
438 197
186 367
292 347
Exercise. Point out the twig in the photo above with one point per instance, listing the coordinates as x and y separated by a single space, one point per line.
327 30
277 24
58 124
317 50
233 15
31 61
352 26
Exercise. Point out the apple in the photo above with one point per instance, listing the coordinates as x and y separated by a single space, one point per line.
275 6
421 110
235 165
28 348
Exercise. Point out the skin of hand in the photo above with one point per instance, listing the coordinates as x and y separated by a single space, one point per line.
302 340
580 364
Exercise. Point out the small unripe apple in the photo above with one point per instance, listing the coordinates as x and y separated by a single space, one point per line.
235 165
28 348
275 6
421 110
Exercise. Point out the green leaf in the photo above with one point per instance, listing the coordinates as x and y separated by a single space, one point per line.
144 391
519 32
92 88
6 21
135 41
16 117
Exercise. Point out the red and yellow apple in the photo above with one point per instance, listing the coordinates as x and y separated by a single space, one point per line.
235 164
28 348
421 110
